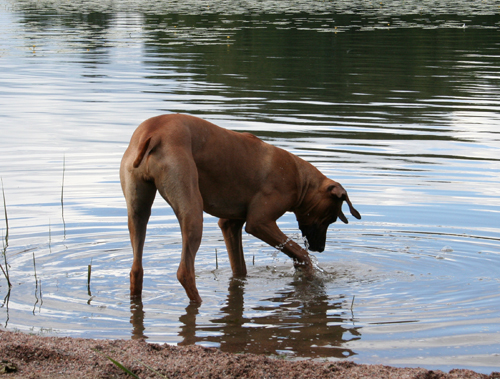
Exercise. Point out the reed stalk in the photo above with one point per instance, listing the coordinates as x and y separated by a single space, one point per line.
6 305
6 276
62 185
5 242
50 238
34 268
62 195
89 273
38 290
6 218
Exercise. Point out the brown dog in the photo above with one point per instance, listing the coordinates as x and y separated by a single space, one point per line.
197 166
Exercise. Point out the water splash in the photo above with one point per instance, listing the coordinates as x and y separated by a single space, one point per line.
302 241
316 266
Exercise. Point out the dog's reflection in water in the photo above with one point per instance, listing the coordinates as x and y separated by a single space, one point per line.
137 319
300 320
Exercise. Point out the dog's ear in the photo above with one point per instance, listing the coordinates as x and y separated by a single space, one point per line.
353 211
343 217
339 192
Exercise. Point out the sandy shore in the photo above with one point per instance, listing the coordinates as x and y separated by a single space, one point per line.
27 356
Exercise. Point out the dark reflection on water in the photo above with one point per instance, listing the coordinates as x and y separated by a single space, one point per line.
295 68
298 75
302 320
137 318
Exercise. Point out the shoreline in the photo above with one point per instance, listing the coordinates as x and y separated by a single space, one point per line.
30 356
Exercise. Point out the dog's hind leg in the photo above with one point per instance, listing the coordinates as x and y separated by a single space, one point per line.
178 184
191 228
139 196
231 230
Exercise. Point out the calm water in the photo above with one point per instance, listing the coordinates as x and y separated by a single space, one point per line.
399 102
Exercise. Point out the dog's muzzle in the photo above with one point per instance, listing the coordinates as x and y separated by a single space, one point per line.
316 238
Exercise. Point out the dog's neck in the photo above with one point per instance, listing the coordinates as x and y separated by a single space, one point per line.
307 186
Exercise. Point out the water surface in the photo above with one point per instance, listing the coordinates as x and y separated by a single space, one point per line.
398 101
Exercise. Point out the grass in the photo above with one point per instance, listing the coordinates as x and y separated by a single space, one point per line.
125 369
117 364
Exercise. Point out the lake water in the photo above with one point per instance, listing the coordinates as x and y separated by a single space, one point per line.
399 101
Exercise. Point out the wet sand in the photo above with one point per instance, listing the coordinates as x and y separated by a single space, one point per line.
29 356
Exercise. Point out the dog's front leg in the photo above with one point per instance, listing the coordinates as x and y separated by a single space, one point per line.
270 233
231 230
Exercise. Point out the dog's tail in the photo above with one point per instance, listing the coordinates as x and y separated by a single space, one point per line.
144 150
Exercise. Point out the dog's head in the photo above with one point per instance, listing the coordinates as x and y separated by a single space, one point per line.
323 209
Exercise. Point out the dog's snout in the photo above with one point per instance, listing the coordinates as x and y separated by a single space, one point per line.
316 239
318 250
